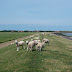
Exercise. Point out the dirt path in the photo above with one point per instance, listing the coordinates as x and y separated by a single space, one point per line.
9 42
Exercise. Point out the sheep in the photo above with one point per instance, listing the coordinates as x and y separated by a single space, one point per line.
50 34
32 39
42 33
31 36
46 40
37 37
40 46
12 43
30 44
37 41
27 42
21 43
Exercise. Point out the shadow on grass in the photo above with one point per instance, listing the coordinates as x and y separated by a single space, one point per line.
45 50
41 50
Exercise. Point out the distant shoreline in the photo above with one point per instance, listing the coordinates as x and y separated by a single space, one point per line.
35 31
64 36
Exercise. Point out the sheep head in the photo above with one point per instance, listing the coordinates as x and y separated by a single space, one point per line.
27 42
35 42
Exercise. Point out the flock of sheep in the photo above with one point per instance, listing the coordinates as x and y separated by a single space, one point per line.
35 42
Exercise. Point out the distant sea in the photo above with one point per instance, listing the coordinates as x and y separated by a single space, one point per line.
32 27
67 34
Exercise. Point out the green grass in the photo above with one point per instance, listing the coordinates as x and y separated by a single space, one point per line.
8 36
54 58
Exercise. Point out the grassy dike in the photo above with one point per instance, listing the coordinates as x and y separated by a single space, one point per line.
8 36
57 57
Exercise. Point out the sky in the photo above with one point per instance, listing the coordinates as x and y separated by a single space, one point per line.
52 12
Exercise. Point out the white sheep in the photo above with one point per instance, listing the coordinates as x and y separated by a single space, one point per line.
42 33
40 45
32 39
31 36
37 37
46 40
50 34
21 43
30 44
37 41
12 43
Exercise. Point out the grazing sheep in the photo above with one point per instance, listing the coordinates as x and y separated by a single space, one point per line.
39 46
50 34
21 43
30 44
42 33
46 40
37 37
31 39
31 36
12 43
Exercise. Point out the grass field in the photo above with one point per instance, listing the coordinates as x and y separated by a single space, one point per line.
8 36
54 58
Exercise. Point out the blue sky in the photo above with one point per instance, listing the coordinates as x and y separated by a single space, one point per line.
52 12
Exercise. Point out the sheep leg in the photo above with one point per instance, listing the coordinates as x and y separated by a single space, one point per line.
27 48
48 43
36 48
24 47
31 49
40 48
17 48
